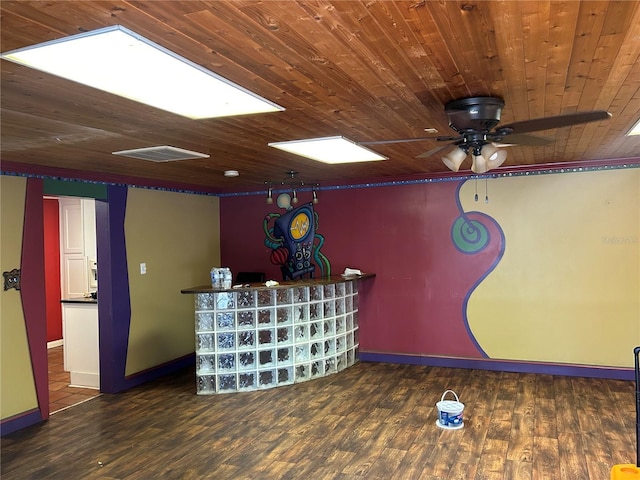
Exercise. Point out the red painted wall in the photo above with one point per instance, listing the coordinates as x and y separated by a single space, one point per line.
402 233
52 269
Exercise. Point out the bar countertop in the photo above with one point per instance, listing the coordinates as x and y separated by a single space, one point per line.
283 284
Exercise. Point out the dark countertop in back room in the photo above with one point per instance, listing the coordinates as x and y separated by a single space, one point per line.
84 300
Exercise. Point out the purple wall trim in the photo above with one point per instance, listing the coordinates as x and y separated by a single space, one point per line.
161 370
114 307
18 422
502 366
32 292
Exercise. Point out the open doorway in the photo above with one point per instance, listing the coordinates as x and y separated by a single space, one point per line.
71 311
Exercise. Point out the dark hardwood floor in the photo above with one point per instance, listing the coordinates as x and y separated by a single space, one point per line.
371 421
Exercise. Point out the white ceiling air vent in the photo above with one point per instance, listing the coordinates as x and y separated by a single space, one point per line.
163 153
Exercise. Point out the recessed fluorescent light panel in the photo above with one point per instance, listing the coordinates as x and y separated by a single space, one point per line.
163 153
119 61
330 150
635 130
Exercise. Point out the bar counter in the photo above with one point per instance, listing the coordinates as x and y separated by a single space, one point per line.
256 337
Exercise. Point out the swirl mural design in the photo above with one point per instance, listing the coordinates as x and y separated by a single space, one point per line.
469 236
476 234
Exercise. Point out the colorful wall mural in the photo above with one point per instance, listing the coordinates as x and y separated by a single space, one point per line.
294 241
544 273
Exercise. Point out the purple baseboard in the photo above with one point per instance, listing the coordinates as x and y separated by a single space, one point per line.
612 373
161 371
18 422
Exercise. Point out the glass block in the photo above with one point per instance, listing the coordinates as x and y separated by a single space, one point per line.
227 361
226 341
341 344
301 333
316 350
267 378
266 316
348 287
349 339
355 302
246 319
302 353
205 364
204 321
246 339
355 319
329 347
246 298
283 296
315 292
356 337
348 304
341 361
224 301
350 357
227 383
315 330
285 355
339 306
266 298
285 375
316 369
205 342
265 337
329 366
314 311
266 358
329 291
247 381
225 320
340 325
349 319
301 294
284 315
302 372
247 359
206 384
329 308
204 301
340 289
329 328
301 313
284 335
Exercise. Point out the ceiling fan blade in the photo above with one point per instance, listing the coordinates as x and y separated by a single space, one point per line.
558 121
399 140
520 139
433 151
408 140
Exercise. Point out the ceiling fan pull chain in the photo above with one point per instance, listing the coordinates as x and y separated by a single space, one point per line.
476 180
486 189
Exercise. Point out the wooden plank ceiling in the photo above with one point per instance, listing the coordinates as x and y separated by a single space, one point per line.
367 70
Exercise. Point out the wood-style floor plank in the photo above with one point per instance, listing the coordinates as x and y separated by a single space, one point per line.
371 421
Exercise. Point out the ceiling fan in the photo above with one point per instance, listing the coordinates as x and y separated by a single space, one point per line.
476 120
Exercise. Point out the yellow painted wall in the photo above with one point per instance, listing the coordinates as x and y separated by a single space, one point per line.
568 286
17 385
177 236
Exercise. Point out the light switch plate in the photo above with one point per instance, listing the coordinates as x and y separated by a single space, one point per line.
143 268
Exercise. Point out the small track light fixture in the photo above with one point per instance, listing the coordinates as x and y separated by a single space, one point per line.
292 186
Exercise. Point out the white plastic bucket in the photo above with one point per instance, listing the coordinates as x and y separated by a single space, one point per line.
450 412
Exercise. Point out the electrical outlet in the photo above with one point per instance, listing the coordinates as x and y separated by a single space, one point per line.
143 269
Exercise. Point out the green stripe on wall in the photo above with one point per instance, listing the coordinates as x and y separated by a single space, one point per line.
75 189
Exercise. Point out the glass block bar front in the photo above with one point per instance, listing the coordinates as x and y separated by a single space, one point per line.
256 338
